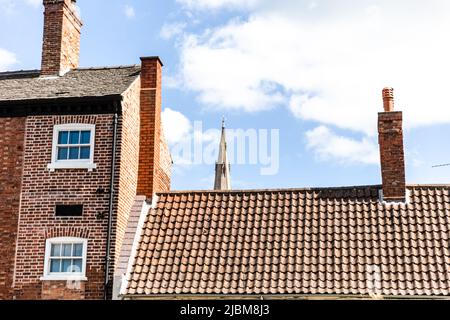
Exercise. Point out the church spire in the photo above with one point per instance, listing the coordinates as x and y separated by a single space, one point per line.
223 179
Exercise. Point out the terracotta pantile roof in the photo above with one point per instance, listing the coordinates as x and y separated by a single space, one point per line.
89 82
288 242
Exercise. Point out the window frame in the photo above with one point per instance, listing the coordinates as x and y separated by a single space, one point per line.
72 164
80 276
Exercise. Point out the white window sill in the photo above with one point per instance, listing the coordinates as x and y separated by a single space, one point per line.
71 165
63 278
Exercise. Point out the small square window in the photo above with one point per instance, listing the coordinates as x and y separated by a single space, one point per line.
73 147
65 258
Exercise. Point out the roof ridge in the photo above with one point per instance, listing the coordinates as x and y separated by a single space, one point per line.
108 67
270 189
378 186
19 72
33 71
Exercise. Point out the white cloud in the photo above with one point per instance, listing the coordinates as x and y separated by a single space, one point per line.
216 4
326 60
8 7
129 11
176 126
7 59
170 30
225 77
327 145
34 3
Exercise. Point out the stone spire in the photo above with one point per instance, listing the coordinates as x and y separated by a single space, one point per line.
223 179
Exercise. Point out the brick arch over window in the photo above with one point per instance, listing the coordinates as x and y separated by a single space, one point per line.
88 119
72 232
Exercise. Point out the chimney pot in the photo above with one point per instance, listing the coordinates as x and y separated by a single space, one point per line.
388 99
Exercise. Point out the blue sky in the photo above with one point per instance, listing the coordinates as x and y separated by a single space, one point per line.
314 70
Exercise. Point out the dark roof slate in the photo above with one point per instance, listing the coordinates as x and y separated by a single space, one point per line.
289 242
89 82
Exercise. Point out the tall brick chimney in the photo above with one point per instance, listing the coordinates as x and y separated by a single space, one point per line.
154 158
390 134
61 43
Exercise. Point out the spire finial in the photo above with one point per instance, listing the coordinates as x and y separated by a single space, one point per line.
223 122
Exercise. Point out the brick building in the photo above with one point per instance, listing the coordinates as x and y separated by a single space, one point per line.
77 147
87 211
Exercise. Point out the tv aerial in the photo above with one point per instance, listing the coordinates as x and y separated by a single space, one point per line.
441 165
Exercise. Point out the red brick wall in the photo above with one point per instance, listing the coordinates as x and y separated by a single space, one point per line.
61 290
42 190
392 155
153 175
11 156
164 170
61 43
129 162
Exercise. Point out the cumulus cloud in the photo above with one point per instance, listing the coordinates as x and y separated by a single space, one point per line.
169 30
216 4
326 62
34 3
225 77
328 145
8 7
129 11
176 126
7 59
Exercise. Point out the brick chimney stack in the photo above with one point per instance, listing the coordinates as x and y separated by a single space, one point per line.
391 149
61 43
154 157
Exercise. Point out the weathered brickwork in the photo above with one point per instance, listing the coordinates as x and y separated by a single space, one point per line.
43 189
11 157
164 170
61 44
129 162
153 175
63 290
392 155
